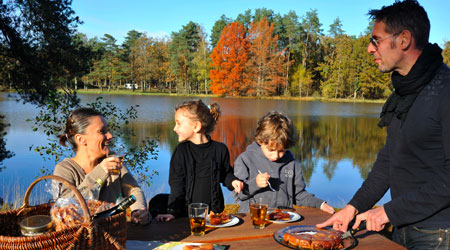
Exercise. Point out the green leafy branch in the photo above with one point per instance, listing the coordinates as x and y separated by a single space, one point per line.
52 118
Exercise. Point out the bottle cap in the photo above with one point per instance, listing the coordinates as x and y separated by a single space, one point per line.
100 181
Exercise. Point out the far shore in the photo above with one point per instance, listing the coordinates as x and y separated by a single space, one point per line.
149 93
309 98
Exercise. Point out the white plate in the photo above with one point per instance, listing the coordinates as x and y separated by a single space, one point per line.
292 217
180 247
234 220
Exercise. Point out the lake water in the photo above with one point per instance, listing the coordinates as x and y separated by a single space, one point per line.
338 145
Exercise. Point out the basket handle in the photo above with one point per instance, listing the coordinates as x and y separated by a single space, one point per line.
86 214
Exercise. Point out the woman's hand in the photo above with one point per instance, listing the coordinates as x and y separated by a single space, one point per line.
164 217
111 165
140 216
238 186
262 179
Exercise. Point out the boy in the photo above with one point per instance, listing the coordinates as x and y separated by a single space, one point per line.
267 160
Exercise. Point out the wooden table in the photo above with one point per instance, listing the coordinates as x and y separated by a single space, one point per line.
243 236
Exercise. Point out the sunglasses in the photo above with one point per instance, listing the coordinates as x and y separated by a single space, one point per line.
376 42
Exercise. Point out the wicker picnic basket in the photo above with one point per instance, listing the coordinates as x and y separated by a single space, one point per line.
106 233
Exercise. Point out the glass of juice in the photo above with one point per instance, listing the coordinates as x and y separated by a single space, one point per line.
258 211
197 218
118 152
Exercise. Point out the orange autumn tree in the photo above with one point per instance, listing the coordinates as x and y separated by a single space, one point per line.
229 59
266 61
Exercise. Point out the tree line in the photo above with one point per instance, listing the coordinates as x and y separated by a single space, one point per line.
259 53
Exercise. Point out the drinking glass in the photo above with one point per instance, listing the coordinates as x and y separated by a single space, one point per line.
118 152
197 218
258 211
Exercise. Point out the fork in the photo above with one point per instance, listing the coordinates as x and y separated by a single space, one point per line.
268 183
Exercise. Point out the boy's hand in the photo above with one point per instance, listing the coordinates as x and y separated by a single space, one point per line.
327 208
262 179
238 186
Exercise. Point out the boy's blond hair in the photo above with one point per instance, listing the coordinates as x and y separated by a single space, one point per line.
276 129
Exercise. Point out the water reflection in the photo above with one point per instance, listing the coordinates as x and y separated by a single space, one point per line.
332 139
326 142
338 145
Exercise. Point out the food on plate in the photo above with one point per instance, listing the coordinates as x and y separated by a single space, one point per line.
278 215
322 239
203 246
218 219
231 208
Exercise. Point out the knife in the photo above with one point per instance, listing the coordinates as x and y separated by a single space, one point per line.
351 232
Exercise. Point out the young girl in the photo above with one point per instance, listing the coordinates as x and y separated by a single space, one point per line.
198 163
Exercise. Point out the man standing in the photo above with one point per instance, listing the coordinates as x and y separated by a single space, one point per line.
415 160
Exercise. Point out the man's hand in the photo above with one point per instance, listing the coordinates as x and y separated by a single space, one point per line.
340 219
238 186
375 219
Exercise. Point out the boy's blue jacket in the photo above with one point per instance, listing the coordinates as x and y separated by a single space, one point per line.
285 177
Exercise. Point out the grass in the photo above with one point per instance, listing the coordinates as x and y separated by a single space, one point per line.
14 195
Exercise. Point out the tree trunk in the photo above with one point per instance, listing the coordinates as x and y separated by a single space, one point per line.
287 68
300 88
338 80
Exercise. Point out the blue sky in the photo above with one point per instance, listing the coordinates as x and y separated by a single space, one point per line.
161 18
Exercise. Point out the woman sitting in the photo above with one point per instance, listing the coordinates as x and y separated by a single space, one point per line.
87 133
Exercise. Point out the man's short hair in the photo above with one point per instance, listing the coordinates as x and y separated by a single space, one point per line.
405 15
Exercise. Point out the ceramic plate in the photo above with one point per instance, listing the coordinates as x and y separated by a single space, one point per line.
234 220
292 217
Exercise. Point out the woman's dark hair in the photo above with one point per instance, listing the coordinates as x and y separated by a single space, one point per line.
206 115
77 122
405 15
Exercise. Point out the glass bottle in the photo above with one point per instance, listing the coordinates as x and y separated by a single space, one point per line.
92 192
122 206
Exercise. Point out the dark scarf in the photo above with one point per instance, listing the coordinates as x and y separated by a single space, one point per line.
408 87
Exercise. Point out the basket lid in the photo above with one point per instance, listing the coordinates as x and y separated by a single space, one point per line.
36 223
